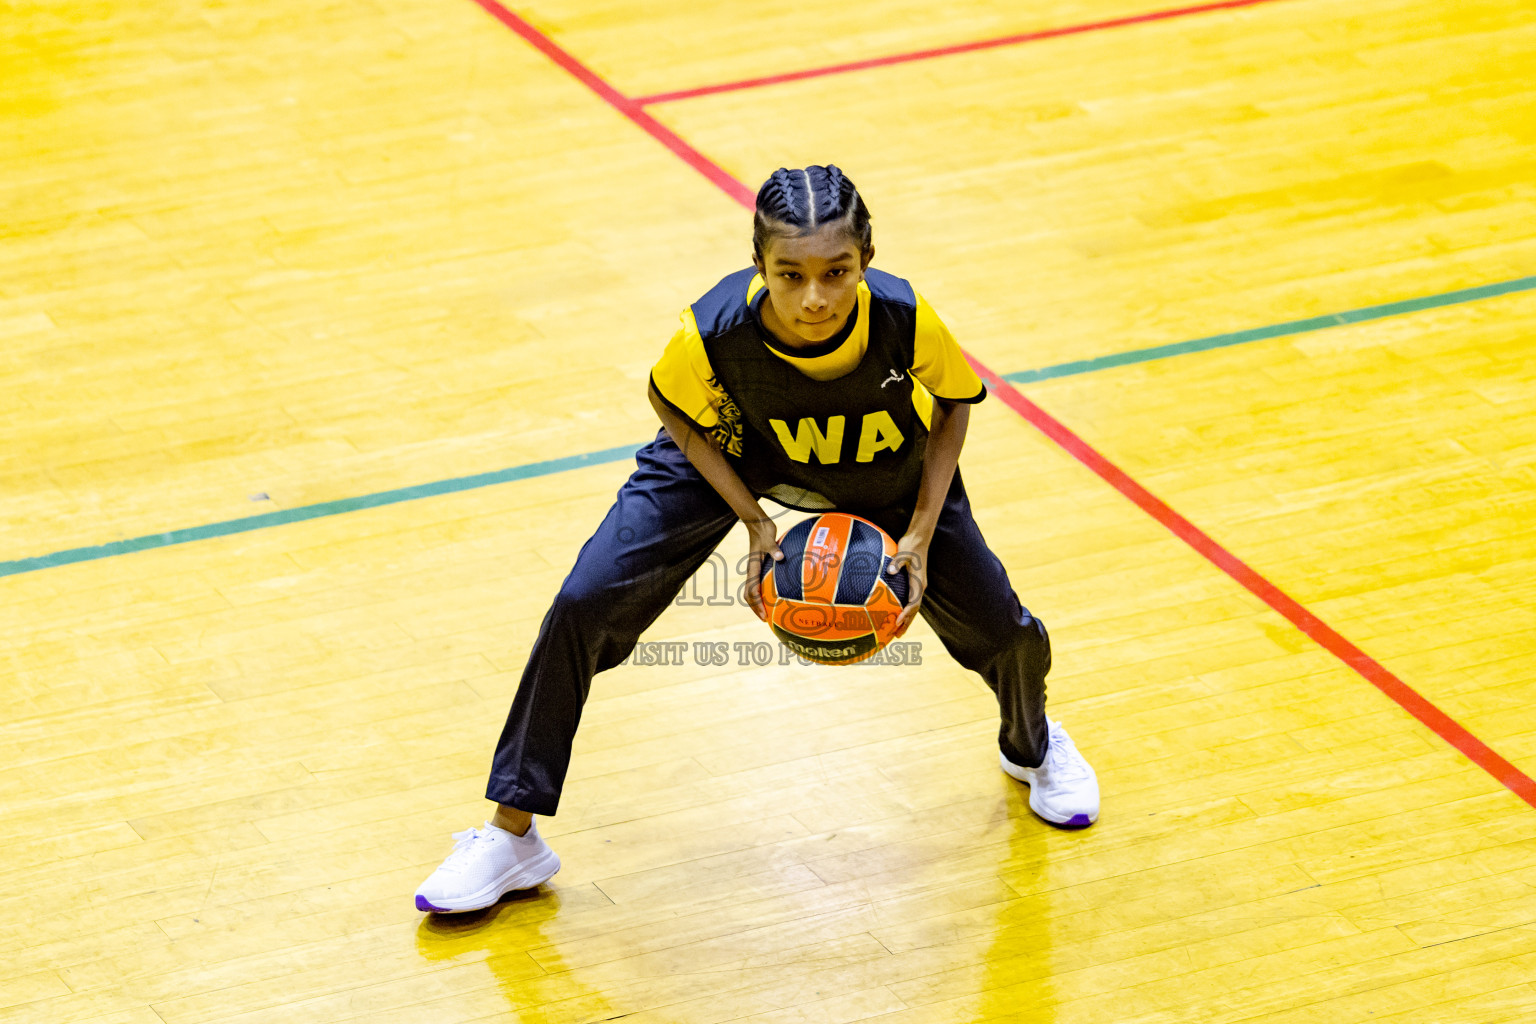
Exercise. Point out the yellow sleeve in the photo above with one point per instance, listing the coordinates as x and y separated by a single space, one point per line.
937 362
685 379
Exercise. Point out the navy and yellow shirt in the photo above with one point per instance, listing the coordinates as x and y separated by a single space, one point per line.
843 425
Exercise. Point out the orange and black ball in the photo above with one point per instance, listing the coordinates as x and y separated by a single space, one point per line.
830 599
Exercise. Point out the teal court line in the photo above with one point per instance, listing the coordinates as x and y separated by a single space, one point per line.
1314 323
627 451
317 511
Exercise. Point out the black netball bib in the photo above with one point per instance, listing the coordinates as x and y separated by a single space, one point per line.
854 442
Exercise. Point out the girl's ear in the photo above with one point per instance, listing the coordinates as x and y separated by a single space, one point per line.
864 260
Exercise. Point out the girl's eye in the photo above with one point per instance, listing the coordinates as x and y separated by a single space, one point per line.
790 275
837 272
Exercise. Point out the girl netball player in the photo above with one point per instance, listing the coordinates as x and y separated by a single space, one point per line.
816 381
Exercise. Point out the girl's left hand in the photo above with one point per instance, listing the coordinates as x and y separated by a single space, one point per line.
912 553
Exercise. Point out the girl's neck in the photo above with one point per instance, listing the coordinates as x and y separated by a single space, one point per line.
778 336
775 326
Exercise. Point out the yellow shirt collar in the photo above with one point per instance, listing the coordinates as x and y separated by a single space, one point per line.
839 361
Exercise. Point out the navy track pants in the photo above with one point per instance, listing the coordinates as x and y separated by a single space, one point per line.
666 522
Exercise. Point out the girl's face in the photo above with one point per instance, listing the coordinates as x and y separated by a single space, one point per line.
813 284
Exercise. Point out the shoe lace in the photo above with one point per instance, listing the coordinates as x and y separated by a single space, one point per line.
464 845
1062 761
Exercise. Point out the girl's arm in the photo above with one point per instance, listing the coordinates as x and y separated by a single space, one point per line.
946 436
712 466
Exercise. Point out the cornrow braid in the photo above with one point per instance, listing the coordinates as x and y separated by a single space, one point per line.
804 200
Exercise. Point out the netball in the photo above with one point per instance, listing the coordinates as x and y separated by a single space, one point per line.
830 599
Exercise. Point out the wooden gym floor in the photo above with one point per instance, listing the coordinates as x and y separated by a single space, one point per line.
300 269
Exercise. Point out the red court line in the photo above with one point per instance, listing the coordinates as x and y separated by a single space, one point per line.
623 104
945 51
1326 636
1372 671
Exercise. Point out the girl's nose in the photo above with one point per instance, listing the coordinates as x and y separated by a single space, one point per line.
813 301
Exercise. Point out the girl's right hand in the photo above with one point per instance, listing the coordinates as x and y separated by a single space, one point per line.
764 544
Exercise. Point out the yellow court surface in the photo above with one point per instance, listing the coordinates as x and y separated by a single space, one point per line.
325 331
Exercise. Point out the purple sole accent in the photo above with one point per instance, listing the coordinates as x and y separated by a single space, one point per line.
422 904
1077 821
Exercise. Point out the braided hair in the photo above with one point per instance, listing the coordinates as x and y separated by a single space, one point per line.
804 200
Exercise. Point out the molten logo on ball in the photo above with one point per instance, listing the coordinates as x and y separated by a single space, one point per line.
830 599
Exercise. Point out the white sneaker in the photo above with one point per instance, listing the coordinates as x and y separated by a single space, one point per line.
485 865
1064 790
